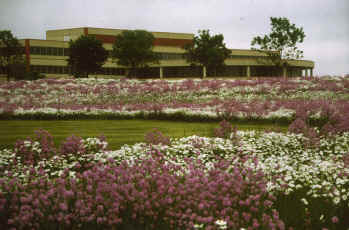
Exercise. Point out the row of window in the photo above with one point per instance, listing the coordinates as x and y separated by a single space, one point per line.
50 69
170 56
54 51
113 71
178 71
67 70
249 57
50 51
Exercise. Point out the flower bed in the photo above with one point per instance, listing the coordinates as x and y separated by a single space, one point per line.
274 100
249 180
242 180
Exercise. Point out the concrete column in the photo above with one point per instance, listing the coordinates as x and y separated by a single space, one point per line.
161 73
204 72
311 72
248 71
284 72
306 73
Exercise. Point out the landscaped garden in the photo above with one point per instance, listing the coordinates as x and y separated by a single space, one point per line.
290 173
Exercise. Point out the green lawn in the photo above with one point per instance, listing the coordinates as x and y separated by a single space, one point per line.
117 132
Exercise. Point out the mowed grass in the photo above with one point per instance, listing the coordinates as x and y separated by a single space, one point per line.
117 132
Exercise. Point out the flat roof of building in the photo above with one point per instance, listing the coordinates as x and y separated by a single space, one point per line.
118 29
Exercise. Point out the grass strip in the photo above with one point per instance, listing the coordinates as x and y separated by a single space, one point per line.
117 132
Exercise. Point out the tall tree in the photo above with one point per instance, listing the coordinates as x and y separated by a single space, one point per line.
86 56
134 49
281 44
11 52
208 51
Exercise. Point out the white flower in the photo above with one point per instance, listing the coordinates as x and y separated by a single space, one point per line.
304 201
198 226
222 224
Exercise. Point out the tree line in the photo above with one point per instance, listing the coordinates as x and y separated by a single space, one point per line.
133 49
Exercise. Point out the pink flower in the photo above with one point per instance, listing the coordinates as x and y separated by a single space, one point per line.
335 220
201 206
255 223
99 220
63 206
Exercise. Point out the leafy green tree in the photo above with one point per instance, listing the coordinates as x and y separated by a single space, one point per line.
208 51
18 68
134 49
11 54
281 44
86 56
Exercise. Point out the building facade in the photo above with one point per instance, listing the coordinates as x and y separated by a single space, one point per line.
50 57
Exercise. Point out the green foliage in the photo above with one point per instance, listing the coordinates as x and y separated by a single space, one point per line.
87 55
31 75
17 68
281 44
11 54
134 49
207 50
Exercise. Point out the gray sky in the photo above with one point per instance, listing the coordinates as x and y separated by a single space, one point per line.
325 22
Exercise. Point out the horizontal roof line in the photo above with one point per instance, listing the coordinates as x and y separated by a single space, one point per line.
74 28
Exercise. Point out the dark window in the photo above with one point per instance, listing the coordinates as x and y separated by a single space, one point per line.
170 56
34 68
66 52
49 50
60 51
66 70
43 69
55 51
43 51
36 50
49 69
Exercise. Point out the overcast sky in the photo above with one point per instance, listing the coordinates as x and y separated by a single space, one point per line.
325 22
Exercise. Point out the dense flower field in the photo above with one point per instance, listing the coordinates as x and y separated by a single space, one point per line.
271 99
249 180
238 180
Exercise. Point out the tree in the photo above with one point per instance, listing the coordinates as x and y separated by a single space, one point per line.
207 50
18 68
11 53
86 55
134 49
281 44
